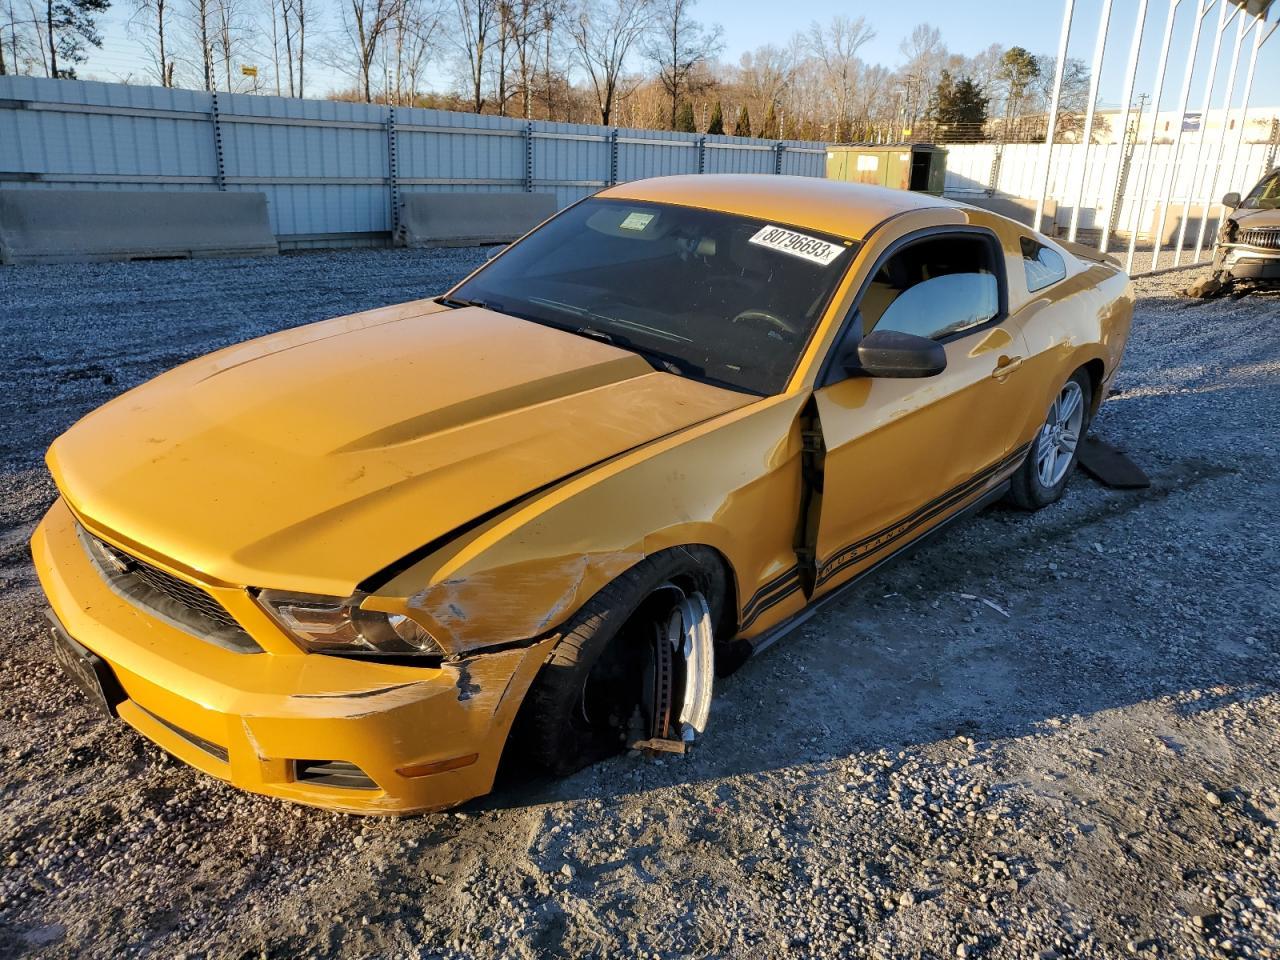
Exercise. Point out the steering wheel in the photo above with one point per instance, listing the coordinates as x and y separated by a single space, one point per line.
769 322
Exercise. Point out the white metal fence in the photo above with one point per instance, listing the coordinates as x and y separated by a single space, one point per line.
333 171
1017 170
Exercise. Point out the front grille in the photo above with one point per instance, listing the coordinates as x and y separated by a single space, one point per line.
179 591
1267 239
333 773
171 598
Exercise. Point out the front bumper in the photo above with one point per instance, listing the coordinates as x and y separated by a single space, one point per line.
250 719
1248 263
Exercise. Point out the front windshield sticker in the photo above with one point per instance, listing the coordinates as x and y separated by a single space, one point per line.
797 244
636 221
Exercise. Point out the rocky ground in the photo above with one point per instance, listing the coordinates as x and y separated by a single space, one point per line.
1041 736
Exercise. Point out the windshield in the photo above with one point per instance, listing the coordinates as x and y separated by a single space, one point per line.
1266 195
703 294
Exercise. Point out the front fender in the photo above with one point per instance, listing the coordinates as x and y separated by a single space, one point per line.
732 483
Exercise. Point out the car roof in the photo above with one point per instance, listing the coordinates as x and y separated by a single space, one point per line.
850 210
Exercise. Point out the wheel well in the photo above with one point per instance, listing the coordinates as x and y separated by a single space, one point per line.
1096 371
730 653
701 553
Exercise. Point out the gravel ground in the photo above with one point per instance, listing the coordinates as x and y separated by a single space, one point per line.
1090 770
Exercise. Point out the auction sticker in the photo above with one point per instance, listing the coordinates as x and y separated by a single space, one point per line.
636 221
797 244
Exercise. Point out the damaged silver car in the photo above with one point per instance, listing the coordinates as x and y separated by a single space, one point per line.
1248 247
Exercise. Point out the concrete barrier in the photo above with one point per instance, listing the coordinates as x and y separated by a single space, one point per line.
469 219
63 226
1021 209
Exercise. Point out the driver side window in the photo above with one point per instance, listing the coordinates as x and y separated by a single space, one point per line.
933 288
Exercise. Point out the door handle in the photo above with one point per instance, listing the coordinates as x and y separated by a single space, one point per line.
1006 366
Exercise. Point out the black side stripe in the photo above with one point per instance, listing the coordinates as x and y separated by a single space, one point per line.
873 544
777 583
786 583
772 602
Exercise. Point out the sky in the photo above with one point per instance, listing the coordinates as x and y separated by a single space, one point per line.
968 26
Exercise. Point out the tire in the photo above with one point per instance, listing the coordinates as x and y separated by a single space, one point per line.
1041 481
555 731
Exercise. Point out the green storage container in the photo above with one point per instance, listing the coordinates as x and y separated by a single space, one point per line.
904 166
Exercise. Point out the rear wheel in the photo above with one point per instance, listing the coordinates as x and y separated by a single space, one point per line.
635 664
1043 476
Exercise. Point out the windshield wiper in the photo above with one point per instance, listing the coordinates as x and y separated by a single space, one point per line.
461 302
657 358
595 334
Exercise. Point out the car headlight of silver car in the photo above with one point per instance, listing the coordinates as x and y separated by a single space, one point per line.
339 625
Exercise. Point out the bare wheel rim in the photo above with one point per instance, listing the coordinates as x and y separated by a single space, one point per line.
678 675
1058 438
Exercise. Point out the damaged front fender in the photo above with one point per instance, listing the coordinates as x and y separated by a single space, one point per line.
516 602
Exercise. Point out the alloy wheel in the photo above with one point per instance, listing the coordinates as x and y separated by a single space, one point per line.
1060 435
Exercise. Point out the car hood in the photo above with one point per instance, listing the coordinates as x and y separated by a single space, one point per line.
313 458
1250 219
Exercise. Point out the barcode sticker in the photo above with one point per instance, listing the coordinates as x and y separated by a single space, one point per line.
636 221
797 244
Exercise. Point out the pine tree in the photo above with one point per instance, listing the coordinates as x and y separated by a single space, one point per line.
959 102
684 118
769 129
1017 71
70 26
716 126
743 127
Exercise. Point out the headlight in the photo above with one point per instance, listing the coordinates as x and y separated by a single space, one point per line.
336 625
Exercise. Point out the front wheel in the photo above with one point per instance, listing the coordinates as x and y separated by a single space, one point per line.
1043 476
636 665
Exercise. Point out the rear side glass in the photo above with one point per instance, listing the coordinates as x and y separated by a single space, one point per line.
1044 266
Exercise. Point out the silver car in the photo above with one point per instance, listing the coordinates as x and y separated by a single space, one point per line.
1249 242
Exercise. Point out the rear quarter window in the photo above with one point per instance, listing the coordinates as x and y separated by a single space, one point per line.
1044 267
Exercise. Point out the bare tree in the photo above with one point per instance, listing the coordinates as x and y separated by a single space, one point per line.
835 47
230 29
766 72
410 41
552 13
502 46
21 45
150 21
925 54
27 40
199 21
679 46
276 41
522 23
604 34
295 17
478 19
765 76
366 24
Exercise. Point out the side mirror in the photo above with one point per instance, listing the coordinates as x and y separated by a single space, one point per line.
1231 200
888 353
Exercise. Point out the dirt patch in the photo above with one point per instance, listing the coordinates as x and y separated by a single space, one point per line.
1092 769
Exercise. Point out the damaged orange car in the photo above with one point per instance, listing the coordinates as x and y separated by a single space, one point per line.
349 563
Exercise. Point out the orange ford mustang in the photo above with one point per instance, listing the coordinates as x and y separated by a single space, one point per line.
345 564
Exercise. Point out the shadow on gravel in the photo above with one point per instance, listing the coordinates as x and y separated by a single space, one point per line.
906 660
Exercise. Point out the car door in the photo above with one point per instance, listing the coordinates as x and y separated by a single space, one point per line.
899 456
